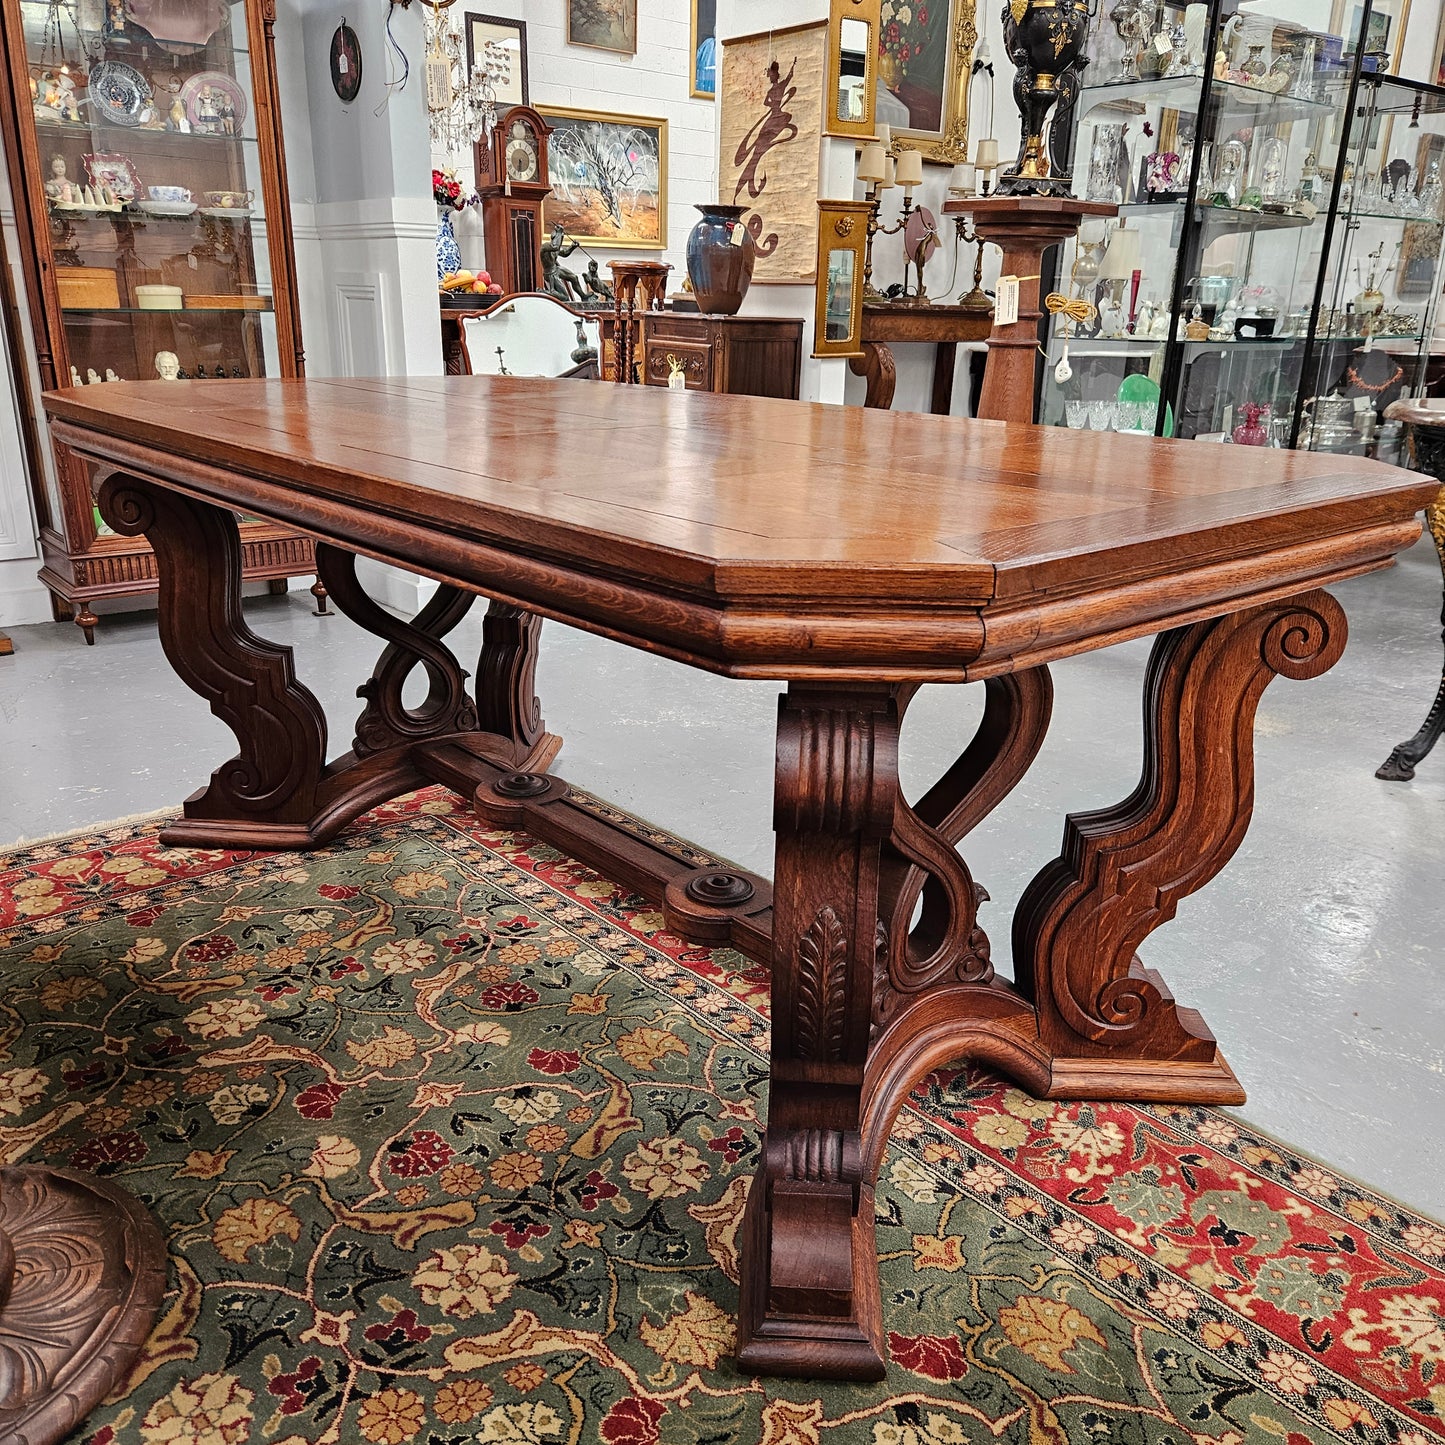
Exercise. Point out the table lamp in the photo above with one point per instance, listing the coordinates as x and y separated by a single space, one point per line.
1120 264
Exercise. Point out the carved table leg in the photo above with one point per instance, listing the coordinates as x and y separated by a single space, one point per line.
1400 766
267 794
877 365
862 1005
1110 1025
507 702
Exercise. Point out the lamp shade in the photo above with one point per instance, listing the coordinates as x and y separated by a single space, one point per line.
910 168
1121 259
962 179
987 157
872 164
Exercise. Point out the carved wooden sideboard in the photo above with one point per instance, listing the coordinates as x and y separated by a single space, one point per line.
736 355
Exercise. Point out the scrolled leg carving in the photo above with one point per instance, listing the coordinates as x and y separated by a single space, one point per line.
810 1292
249 683
1400 766
921 860
507 701
1110 1025
386 721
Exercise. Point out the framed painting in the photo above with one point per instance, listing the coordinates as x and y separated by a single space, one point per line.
603 24
925 62
704 49
1384 32
500 45
770 129
608 175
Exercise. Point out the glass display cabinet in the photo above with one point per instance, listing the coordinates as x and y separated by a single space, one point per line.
144 162
1215 129
1371 344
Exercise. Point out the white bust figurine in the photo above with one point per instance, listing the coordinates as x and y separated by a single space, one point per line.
110 375
92 376
168 366
75 376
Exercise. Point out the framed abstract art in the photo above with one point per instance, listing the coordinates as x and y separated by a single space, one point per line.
608 175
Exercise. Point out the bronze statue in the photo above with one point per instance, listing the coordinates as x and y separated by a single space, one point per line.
557 280
1045 41
600 289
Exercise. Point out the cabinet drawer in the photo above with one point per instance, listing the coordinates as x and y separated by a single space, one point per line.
695 358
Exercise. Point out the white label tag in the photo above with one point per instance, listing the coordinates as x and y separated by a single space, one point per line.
737 233
1162 44
1006 301
341 64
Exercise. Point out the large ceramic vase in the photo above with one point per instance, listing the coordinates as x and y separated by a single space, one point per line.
720 256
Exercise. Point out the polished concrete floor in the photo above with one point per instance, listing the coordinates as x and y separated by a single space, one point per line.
1316 956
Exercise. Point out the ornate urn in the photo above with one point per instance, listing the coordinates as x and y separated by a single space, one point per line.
1045 41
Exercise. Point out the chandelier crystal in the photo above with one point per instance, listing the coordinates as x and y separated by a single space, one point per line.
461 106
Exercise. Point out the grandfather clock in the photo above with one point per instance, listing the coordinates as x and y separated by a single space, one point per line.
512 182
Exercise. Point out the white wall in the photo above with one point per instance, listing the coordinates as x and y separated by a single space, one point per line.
363 217
657 81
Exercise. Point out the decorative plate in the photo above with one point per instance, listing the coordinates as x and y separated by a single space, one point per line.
227 213
116 171
118 91
168 210
215 104
345 63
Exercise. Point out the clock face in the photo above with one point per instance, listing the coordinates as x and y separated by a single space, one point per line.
521 153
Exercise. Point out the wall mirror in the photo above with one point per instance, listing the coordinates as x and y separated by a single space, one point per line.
838 305
852 66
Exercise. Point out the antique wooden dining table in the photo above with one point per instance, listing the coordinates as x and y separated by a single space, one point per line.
852 555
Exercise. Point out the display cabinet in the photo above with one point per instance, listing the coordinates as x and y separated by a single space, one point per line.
1371 344
1216 129
143 146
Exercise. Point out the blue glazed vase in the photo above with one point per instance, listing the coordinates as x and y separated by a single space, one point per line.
720 256
449 254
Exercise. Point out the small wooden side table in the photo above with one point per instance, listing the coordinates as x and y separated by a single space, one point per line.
894 321
637 287
1425 436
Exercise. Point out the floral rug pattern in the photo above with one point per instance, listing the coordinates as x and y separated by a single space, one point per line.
451 1141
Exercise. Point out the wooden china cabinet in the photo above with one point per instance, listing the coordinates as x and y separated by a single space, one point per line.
143 144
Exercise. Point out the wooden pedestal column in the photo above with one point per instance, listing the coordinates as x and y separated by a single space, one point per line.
1025 227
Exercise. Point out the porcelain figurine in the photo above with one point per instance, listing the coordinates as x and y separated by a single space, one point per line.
75 377
92 376
110 375
168 366
60 188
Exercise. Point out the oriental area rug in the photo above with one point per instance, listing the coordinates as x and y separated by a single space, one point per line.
450 1141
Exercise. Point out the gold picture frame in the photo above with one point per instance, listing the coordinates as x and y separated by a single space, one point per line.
844 19
838 299
704 29
950 45
628 211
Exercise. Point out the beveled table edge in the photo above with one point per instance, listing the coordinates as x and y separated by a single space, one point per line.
753 635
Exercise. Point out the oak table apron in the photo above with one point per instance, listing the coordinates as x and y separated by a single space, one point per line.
852 555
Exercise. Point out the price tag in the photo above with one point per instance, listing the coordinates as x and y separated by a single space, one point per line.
1162 44
342 64
1006 301
737 233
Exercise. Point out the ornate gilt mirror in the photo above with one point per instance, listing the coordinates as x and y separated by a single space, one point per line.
838 304
852 67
